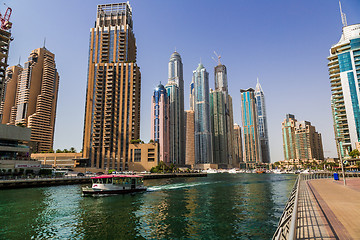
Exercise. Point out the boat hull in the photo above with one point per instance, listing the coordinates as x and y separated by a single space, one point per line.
90 191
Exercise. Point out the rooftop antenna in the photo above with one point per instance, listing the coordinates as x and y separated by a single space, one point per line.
175 49
19 60
218 57
343 16
44 41
257 79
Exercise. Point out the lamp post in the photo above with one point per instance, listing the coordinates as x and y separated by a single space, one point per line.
341 161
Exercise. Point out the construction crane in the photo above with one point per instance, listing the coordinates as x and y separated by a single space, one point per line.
218 57
5 19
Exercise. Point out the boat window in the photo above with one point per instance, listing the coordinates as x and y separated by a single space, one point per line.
109 180
139 181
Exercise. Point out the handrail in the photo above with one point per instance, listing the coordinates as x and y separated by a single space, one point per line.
287 223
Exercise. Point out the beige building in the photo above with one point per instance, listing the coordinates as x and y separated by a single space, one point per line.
112 114
8 105
58 160
142 156
190 137
301 140
238 145
34 90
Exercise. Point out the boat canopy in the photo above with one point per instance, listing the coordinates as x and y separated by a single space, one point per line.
117 176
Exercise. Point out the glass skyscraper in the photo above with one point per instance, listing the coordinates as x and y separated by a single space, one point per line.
203 145
262 123
252 151
175 90
344 71
160 121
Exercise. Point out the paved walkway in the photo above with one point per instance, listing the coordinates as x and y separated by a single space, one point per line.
340 204
311 223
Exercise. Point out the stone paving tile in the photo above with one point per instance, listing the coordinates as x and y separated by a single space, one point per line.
311 223
341 205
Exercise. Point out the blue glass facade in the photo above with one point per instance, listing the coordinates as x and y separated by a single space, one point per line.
203 144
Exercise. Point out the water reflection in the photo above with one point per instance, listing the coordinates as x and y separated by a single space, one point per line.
220 206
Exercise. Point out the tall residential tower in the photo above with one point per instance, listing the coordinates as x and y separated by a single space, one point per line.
344 71
262 123
112 113
160 122
252 150
203 143
175 89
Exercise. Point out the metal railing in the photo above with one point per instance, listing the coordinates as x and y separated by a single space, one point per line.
34 179
321 175
287 224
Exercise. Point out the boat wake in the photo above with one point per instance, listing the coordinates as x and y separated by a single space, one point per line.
174 186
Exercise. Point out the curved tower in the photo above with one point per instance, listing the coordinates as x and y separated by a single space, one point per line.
160 122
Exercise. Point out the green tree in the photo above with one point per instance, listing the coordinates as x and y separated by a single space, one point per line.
72 150
354 153
58 151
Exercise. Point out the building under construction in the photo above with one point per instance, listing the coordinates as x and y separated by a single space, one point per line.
5 38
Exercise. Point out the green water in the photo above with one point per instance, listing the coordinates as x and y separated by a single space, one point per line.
220 206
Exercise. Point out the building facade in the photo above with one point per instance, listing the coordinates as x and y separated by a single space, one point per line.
160 122
8 105
190 138
112 112
344 71
238 149
143 156
301 140
252 150
203 142
175 89
31 97
262 123
5 39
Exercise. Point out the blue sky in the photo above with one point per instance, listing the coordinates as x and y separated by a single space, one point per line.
283 42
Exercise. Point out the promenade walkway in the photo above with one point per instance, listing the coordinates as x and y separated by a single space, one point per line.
340 205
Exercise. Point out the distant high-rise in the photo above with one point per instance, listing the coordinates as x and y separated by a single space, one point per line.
8 105
31 97
203 144
222 119
344 71
112 113
252 150
238 151
160 122
190 137
175 89
5 39
301 140
262 123
218 128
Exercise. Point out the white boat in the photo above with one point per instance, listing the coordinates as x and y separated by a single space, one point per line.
115 184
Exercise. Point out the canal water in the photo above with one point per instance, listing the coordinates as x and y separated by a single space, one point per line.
220 206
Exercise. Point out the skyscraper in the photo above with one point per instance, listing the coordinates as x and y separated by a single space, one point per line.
252 151
262 123
288 134
175 89
222 119
160 122
203 144
344 71
190 138
301 140
8 105
31 97
238 145
5 39
112 114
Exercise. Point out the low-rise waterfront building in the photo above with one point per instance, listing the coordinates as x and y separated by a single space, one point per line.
58 160
143 156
